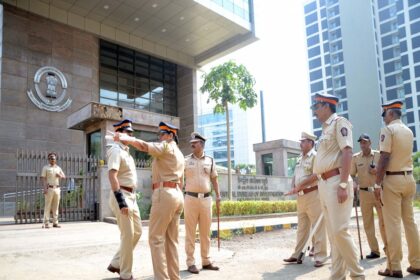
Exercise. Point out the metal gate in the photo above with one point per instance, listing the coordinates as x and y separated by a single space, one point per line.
78 190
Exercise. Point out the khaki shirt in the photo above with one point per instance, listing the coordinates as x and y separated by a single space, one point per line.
304 167
168 162
397 139
336 135
198 173
50 172
119 159
360 167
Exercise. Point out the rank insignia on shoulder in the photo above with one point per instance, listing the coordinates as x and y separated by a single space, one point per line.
344 131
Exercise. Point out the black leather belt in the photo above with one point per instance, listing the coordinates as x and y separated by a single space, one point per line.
194 194
371 189
399 172
127 189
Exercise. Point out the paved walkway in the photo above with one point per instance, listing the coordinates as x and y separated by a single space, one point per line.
82 250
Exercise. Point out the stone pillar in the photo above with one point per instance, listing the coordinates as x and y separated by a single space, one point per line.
1 44
187 105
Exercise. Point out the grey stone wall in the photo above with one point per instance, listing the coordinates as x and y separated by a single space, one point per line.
31 42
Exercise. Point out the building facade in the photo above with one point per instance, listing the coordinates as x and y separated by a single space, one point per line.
72 68
364 52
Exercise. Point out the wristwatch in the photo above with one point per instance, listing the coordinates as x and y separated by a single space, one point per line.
343 185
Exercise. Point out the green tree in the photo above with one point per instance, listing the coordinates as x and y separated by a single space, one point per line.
416 164
226 84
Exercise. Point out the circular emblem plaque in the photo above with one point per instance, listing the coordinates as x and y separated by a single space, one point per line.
50 87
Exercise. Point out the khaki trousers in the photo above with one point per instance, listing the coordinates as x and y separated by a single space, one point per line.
308 211
367 203
167 205
197 211
52 201
398 194
130 228
337 217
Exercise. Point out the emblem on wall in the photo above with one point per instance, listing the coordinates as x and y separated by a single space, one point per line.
50 87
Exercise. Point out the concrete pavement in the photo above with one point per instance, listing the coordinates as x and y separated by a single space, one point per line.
83 250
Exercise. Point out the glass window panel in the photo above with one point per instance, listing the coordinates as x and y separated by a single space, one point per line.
407 89
125 79
408 103
312 40
126 93
416 42
310 7
108 75
135 71
311 29
142 103
108 93
315 75
410 117
310 18
108 101
388 53
156 107
414 13
384 15
314 52
314 63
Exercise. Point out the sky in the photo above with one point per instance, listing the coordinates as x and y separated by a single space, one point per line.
278 61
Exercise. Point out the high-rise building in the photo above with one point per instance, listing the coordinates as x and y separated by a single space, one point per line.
366 52
244 131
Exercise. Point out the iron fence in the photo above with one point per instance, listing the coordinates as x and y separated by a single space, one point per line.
78 191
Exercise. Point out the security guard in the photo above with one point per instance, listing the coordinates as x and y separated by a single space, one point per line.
396 184
200 171
364 167
123 179
305 184
51 175
332 165
167 199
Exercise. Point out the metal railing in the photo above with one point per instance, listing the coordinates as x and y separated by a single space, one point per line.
78 190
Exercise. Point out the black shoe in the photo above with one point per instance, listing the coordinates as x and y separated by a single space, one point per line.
113 269
390 273
193 269
210 267
413 270
373 255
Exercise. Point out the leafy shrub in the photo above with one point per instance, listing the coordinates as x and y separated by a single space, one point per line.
241 208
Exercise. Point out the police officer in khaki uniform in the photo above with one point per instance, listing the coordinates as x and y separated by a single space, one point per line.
305 185
167 199
396 184
123 178
363 171
200 173
51 175
332 165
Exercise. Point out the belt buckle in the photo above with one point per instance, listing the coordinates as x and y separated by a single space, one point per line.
371 189
200 195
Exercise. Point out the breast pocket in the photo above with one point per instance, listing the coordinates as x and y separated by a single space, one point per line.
189 170
326 140
207 168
